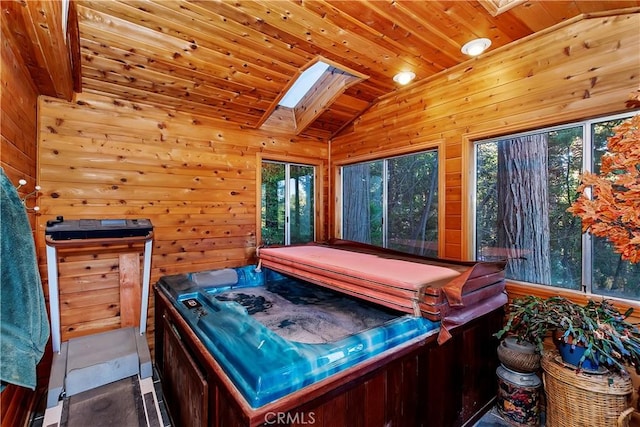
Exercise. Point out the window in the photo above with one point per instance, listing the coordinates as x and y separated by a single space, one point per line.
524 185
393 203
287 203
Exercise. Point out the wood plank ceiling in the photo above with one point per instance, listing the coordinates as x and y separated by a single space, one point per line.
234 59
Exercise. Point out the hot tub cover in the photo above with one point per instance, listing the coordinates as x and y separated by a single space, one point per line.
438 289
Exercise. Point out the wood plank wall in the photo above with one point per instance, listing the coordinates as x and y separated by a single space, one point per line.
582 69
585 68
194 177
18 159
19 108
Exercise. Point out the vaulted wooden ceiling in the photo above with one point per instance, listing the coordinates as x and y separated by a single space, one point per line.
234 59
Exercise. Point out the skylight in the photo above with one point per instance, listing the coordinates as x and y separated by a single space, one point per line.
309 96
307 79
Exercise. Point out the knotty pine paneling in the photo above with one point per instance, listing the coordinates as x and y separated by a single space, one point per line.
193 177
18 159
585 68
18 116
36 30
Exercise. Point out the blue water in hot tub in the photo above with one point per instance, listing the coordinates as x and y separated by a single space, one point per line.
312 332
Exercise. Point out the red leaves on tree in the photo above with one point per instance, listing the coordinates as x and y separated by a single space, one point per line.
613 211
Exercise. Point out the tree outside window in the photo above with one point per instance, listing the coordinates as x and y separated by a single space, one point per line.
287 203
524 186
393 203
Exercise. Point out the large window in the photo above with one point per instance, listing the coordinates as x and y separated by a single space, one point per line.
287 203
524 185
393 203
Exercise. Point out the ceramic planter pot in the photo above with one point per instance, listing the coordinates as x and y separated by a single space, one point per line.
571 354
519 356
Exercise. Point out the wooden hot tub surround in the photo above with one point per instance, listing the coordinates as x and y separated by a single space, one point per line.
420 383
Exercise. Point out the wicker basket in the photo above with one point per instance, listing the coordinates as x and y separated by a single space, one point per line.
580 399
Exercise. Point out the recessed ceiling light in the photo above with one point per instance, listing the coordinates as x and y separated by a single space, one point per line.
476 47
404 77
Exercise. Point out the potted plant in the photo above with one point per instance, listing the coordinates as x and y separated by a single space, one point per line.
522 335
606 337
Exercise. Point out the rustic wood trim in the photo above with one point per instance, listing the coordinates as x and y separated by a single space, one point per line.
130 291
320 97
338 198
342 67
46 27
517 289
468 190
496 7
73 39
392 152
442 197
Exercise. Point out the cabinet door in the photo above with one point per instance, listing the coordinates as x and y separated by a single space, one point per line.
479 363
184 386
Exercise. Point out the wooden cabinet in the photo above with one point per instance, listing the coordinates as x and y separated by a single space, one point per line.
458 378
423 384
185 390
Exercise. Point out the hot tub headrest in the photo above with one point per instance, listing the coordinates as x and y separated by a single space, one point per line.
191 282
212 278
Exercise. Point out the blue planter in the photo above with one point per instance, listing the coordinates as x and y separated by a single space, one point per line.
572 354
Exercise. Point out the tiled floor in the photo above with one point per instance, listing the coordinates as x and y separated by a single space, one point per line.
491 419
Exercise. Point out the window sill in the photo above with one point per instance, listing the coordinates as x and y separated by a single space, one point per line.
520 289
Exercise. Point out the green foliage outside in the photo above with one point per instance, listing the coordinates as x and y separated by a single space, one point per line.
610 275
409 220
300 190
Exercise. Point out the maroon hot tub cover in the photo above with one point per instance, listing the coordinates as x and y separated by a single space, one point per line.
450 291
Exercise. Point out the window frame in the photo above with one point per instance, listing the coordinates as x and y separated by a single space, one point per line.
431 145
472 141
318 202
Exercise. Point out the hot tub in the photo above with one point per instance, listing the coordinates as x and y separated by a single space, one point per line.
273 334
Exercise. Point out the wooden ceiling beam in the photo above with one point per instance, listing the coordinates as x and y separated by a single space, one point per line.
36 27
